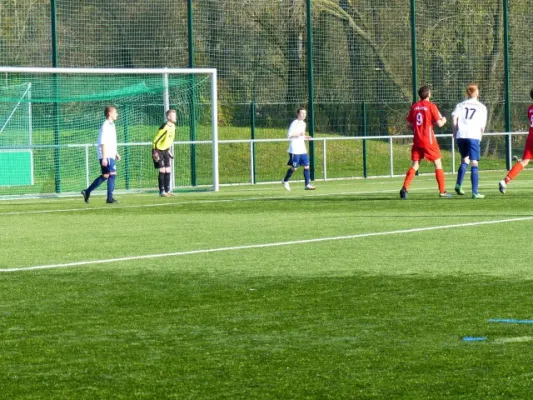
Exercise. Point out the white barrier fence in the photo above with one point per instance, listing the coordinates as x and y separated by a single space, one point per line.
323 142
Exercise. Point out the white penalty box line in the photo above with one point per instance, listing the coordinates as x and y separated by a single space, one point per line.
264 245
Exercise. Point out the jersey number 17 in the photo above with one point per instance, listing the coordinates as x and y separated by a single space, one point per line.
472 111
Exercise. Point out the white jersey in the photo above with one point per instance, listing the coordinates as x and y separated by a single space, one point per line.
471 117
107 137
297 143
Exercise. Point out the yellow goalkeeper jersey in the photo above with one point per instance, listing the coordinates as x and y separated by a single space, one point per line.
165 136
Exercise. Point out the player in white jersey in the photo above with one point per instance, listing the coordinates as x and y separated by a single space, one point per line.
297 150
107 155
469 122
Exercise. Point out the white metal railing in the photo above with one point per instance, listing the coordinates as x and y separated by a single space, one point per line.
324 141
390 140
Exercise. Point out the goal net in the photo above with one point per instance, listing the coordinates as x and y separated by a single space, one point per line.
16 159
50 119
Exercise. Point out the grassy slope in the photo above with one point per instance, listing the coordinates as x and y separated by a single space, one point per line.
345 159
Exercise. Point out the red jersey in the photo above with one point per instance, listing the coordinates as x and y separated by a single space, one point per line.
528 148
530 118
422 116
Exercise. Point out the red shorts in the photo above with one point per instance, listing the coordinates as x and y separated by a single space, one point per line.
430 153
528 149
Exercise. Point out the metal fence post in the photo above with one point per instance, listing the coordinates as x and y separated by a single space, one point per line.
127 148
365 170
413 50
192 109
55 64
252 135
507 82
311 85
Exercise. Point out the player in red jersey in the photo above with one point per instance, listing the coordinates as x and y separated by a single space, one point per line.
528 152
422 116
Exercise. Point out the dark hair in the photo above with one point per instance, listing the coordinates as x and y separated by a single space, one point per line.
108 109
531 93
299 109
423 92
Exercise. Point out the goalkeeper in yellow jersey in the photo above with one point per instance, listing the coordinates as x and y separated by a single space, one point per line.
161 154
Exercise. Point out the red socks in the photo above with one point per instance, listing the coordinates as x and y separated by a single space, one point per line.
409 177
514 172
439 174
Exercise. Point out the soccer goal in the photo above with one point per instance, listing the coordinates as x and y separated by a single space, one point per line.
50 119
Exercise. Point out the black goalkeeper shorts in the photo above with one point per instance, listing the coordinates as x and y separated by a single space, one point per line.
164 159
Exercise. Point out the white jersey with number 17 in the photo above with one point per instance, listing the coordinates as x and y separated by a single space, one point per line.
471 118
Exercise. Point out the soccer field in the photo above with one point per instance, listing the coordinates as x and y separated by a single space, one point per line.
346 292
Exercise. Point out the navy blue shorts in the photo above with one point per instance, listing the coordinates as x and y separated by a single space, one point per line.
111 167
295 160
469 148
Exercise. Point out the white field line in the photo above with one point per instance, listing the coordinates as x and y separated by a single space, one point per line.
185 201
264 245
519 339
193 202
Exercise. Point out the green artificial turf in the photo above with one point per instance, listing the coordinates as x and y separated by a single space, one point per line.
346 292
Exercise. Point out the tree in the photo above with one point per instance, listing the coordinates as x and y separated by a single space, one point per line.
294 52
351 15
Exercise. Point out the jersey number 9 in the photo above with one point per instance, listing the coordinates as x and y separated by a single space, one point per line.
419 119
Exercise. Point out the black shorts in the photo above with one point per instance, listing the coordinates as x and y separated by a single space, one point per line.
164 159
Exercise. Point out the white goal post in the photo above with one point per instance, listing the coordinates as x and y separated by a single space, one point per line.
166 78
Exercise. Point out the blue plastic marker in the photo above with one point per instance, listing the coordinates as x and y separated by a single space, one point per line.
513 321
474 338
